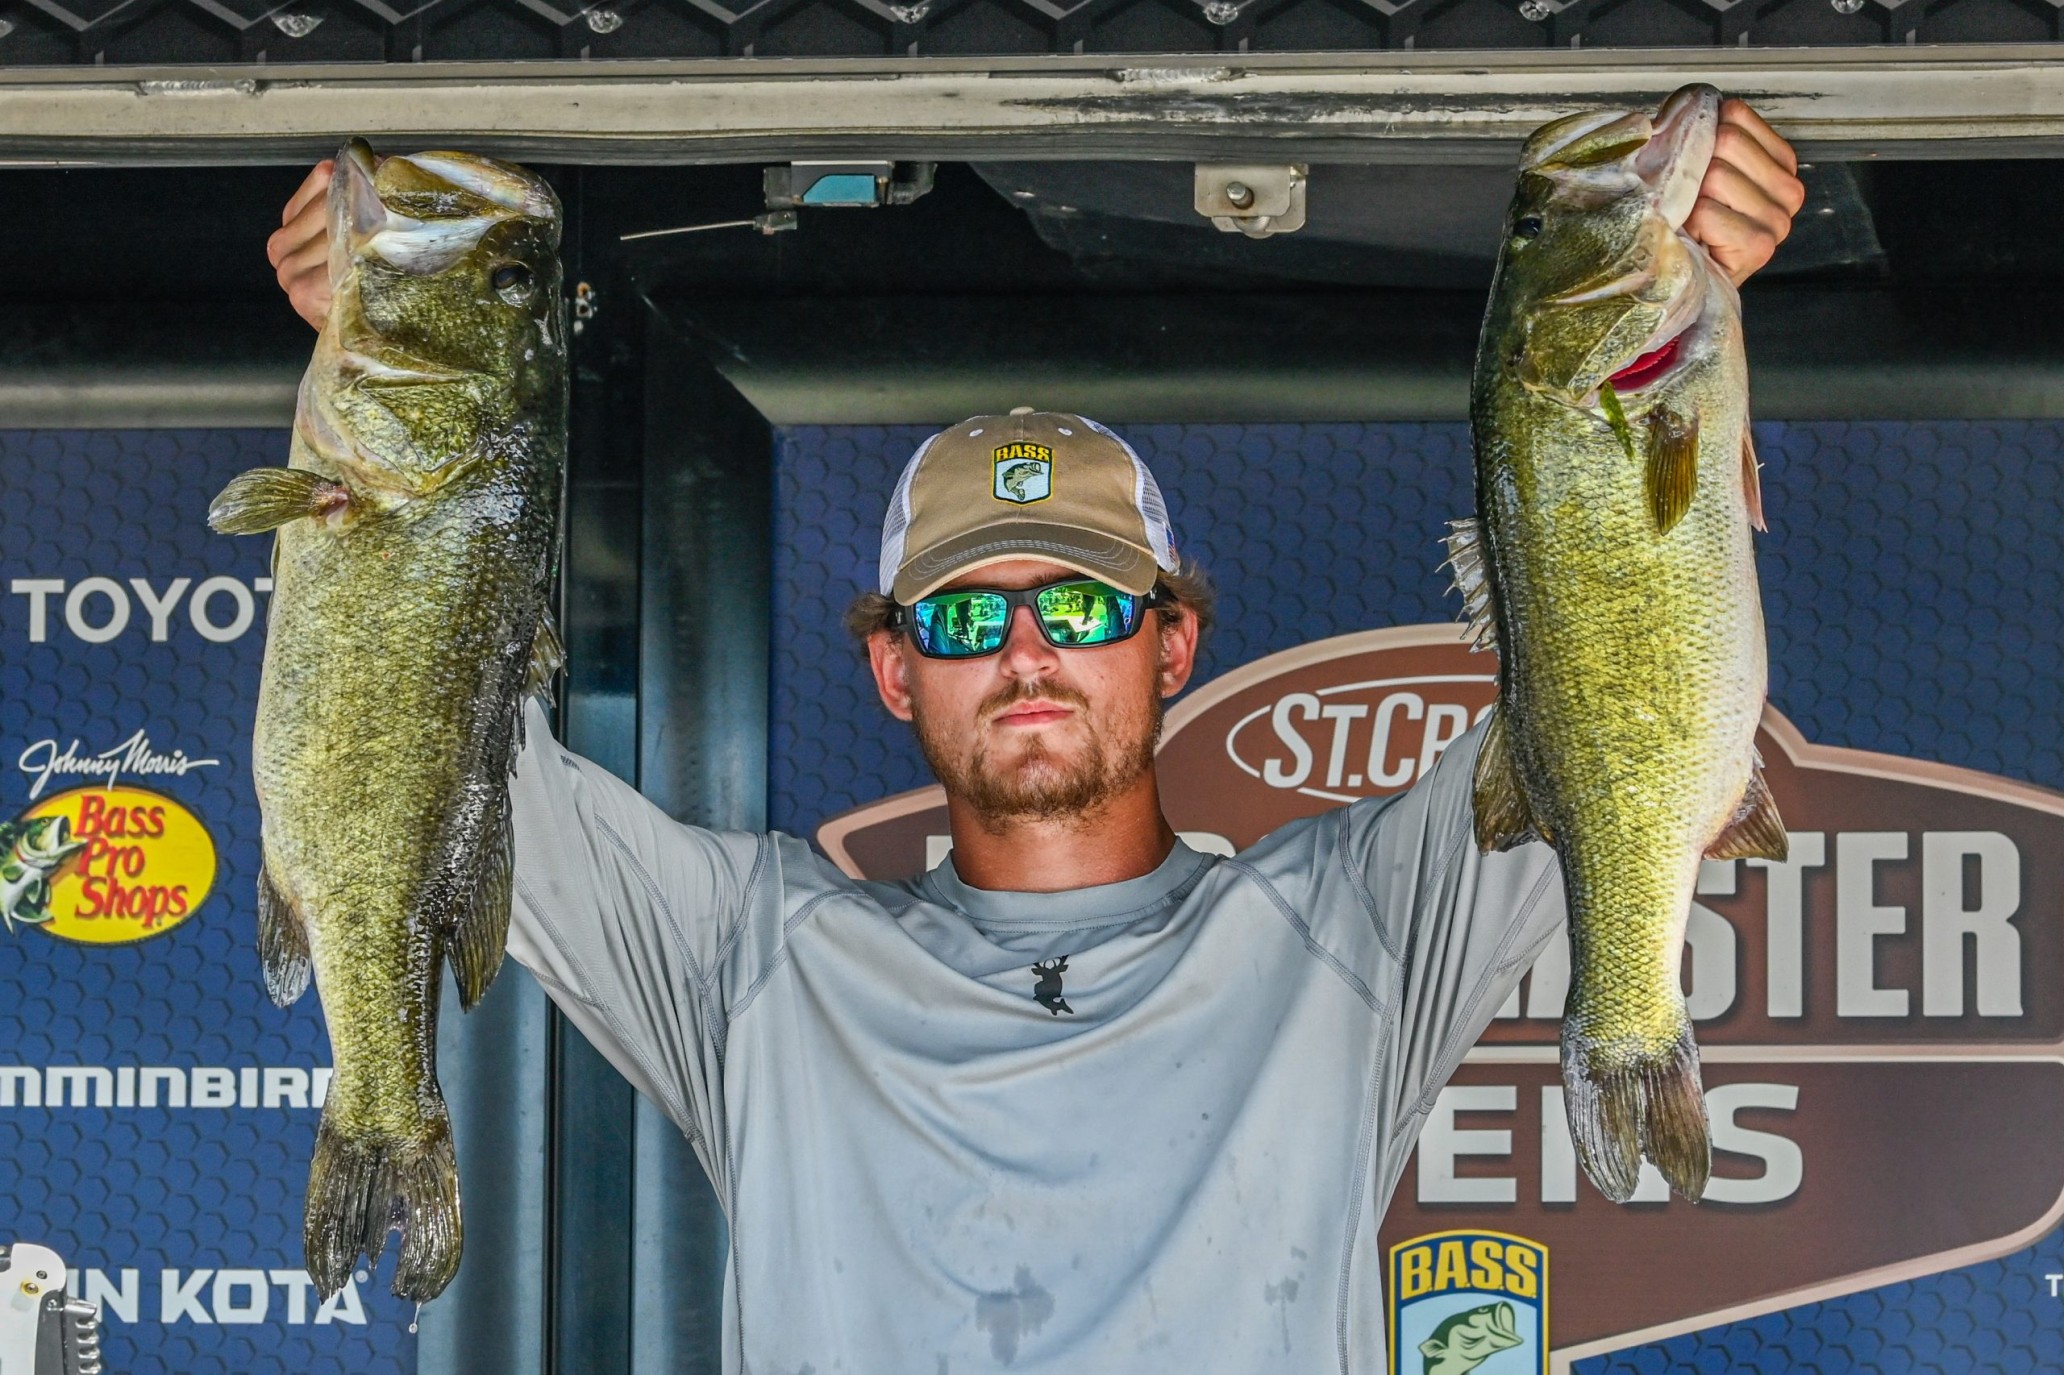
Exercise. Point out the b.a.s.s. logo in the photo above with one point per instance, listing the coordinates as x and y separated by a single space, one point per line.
104 866
1471 1301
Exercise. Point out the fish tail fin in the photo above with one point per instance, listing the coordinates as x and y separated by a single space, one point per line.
282 943
1622 1108
267 498
360 1188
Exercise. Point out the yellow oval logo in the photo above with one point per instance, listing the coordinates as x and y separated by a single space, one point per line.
105 866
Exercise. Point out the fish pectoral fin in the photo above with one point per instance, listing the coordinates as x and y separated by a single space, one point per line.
282 943
266 498
1756 831
1503 818
480 931
1752 479
1672 467
1624 1109
1470 559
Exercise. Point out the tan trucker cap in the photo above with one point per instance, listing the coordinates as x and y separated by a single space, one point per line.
1028 485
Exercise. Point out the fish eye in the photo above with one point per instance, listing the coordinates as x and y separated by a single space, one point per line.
512 282
1526 227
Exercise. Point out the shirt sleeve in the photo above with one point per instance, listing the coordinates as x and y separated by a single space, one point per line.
623 914
1465 925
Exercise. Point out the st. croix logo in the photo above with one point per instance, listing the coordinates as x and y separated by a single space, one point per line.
1463 1302
104 866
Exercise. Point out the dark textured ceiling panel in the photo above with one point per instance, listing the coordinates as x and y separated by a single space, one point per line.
230 32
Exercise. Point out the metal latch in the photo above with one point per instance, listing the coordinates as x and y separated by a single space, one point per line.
1250 199
865 183
791 186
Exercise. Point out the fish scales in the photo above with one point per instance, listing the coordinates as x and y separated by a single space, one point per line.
416 525
1613 569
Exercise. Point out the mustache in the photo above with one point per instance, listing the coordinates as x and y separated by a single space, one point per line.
1004 698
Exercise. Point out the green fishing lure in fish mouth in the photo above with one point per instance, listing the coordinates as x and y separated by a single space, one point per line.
416 529
1610 565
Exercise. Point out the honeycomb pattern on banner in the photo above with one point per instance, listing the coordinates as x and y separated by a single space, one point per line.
223 32
1910 578
158 1189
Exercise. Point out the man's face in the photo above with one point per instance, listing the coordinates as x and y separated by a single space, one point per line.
1033 732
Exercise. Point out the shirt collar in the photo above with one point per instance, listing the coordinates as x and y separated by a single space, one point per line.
1103 904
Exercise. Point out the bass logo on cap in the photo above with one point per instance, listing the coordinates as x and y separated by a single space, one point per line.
1468 1299
1024 472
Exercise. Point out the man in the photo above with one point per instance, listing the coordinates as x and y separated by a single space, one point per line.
1081 1098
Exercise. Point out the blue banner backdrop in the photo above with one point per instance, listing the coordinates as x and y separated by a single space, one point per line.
1911 578
156 1110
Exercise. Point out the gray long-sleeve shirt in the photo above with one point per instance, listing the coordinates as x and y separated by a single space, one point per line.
1171 1155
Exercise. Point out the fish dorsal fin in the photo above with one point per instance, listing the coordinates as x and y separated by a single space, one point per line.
1752 479
1757 831
1470 560
1672 466
1503 817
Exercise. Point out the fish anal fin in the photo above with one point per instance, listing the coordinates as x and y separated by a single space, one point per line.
1503 818
1470 559
1752 479
547 657
480 932
1623 1107
282 943
1756 830
1672 467
264 499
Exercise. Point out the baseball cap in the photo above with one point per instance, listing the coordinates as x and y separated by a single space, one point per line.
1031 484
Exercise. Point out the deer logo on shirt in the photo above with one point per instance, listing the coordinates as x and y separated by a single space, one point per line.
1048 990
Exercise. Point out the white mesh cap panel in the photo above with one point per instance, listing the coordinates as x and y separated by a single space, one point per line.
896 524
1146 495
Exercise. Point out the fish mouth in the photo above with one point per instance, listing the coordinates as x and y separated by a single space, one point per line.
49 854
1501 1321
1674 160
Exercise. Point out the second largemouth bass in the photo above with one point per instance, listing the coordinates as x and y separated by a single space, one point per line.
417 524
1610 564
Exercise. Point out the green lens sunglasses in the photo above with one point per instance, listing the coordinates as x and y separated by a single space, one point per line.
969 622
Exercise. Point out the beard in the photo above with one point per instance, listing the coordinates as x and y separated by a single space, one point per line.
1042 785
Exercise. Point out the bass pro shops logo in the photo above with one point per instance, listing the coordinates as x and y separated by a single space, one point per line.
104 865
1468 1301
1024 472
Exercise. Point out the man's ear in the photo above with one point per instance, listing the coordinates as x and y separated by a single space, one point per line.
1178 651
891 672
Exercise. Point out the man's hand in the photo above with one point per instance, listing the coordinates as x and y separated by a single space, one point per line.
299 249
1751 191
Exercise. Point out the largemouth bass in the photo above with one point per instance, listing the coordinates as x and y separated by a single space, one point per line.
1610 565
416 531
30 853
